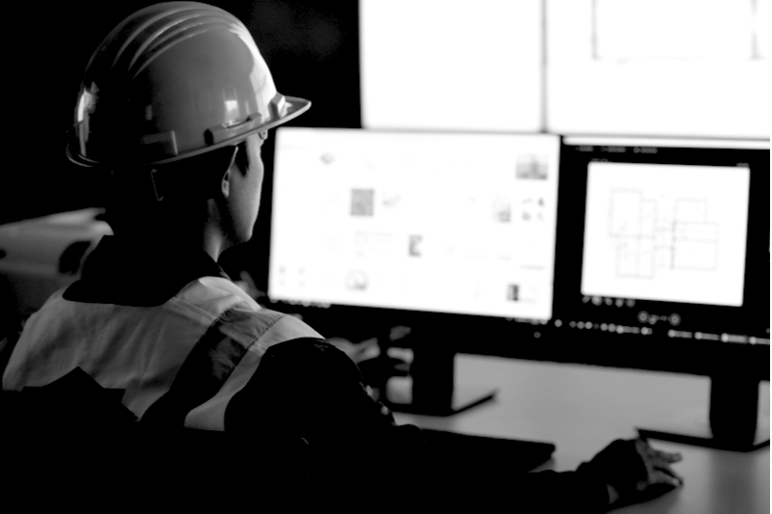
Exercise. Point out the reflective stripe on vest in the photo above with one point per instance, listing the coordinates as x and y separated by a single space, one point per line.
189 355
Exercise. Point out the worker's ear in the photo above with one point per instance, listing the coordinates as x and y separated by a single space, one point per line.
225 184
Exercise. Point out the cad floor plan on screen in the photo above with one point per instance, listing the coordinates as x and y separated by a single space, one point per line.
677 231
657 233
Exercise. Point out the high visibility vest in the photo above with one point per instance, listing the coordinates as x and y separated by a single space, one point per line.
189 356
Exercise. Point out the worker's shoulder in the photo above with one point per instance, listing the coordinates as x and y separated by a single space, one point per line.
237 315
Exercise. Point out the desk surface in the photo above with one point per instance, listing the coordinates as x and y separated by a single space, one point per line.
583 408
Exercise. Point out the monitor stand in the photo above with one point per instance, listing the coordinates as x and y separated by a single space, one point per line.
430 388
732 421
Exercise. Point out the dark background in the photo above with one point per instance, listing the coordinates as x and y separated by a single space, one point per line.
311 47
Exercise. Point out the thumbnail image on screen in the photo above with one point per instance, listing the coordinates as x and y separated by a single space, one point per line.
442 222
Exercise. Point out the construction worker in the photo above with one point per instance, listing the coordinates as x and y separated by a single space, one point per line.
175 105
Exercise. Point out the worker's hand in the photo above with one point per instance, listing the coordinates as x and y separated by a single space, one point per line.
635 472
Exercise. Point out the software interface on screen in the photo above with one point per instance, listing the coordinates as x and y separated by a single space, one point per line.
663 237
443 222
666 232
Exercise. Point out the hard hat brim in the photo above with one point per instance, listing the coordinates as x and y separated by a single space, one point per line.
295 107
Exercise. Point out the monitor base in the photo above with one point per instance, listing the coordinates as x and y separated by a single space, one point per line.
693 428
399 398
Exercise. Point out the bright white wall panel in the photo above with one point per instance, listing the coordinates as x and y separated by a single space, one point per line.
659 67
452 65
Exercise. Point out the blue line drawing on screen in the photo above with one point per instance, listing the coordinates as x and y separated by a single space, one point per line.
656 233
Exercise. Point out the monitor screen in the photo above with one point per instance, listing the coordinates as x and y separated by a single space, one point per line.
665 237
666 232
439 222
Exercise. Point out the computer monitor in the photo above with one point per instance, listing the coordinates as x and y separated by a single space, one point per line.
662 262
437 231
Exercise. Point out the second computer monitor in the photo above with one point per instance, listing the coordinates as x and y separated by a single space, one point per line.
665 237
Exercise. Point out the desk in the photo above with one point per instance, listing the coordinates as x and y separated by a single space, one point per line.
583 408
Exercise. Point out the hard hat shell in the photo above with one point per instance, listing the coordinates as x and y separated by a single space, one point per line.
171 81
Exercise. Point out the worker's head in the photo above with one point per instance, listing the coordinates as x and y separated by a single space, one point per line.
175 103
